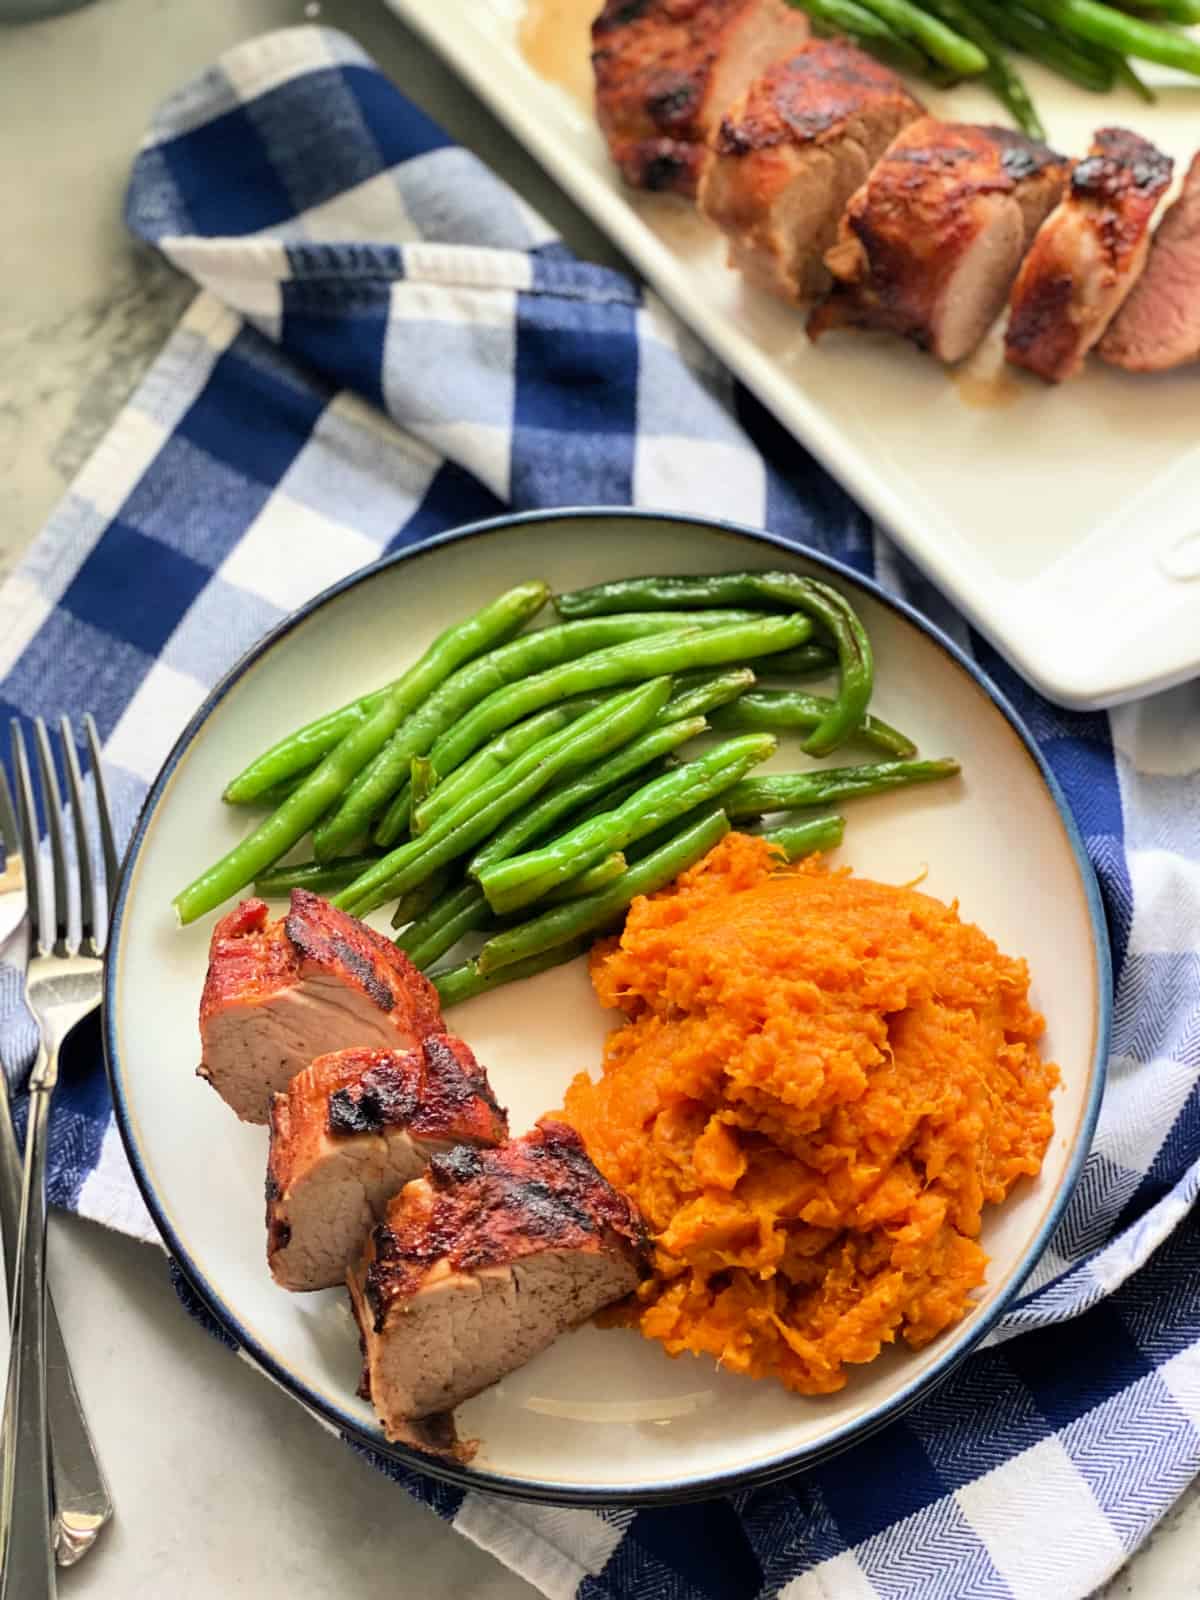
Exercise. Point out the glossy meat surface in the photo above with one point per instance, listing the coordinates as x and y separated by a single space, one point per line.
278 994
484 1262
1087 255
1158 327
349 1132
930 245
666 69
791 151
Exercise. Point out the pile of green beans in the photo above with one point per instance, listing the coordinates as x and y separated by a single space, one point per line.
1085 41
519 789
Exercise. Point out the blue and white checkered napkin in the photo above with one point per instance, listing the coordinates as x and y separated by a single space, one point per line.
356 266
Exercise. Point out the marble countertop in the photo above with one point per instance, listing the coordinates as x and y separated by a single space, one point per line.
223 1485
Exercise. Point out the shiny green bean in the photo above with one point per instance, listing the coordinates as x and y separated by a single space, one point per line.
319 877
284 828
787 709
503 669
799 839
465 982
536 820
789 791
520 880
557 926
593 736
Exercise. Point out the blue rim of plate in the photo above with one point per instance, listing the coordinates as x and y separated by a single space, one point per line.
683 1489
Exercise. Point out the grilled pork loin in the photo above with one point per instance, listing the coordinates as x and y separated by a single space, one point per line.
665 71
280 993
1158 327
930 245
484 1262
349 1132
790 152
1087 256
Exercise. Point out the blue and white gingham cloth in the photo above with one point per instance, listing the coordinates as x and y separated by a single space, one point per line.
355 266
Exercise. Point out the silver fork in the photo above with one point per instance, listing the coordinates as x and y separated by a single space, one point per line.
81 1500
63 985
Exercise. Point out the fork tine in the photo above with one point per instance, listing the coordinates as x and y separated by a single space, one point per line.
39 927
52 801
112 862
87 877
10 834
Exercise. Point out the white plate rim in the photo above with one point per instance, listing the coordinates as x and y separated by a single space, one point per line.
682 1489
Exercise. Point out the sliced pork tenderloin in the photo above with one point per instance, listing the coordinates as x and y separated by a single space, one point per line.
791 151
483 1263
930 245
279 994
349 1132
1158 327
1087 255
666 69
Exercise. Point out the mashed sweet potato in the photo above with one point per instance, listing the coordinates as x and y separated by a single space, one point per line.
820 1083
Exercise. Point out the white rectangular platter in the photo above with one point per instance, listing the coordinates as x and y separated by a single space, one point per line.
1064 522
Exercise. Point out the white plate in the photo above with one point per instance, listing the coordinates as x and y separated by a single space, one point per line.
1065 522
602 1415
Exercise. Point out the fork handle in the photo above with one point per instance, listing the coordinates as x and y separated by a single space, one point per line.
82 1504
26 1501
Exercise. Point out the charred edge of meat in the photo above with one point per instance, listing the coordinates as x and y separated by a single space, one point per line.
1020 156
385 1096
804 96
619 14
1043 314
454 1076
539 1192
1120 161
327 937
673 99
662 166
462 1164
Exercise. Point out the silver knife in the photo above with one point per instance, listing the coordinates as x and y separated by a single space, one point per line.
81 1499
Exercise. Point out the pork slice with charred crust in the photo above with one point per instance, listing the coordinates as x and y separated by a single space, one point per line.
1087 256
484 1262
279 994
1158 327
930 245
666 69
791 151
349 1132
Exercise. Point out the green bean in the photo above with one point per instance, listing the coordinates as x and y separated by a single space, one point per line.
622 663
276 835
937 40
319 877
587 882
465 982
396 820
784 709
867 30
419 734
788 791
806 662
609 726
417 901
799 839
1026 31
301 751
697 693
561 923
536 820
1129 36
612 798
463 911
495 756
520 880
270 799
421 781
1001 76
785 589
1124 73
